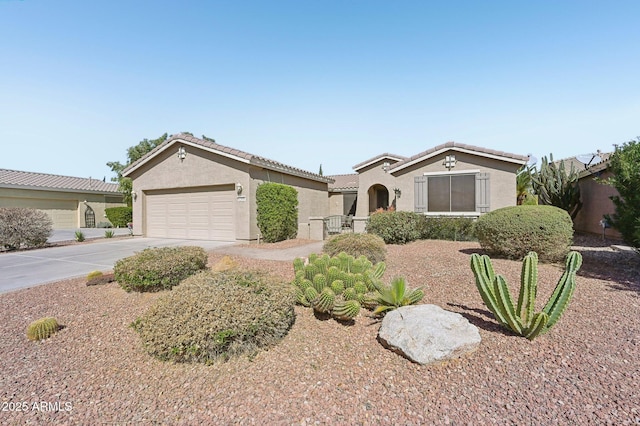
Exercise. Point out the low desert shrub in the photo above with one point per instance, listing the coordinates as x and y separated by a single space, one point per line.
104 225
155 269
79 236
215 315
368 245
42 328
447 228
109 233
395 227
512 232
119 216
24 228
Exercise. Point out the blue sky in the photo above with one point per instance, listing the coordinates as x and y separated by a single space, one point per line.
314 82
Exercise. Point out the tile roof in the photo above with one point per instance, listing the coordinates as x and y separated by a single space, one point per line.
230 152
31 180
378 158
344 182
458 146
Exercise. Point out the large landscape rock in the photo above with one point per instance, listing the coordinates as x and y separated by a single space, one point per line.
427 333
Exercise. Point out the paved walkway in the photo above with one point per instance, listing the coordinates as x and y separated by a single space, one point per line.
34 267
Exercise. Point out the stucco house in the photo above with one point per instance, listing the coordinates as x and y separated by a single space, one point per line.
194 188
449 179
71 202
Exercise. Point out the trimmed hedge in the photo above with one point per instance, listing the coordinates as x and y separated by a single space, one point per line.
24 228
514 231
395 227
213 316
156 269
119 216
447 228
369 245
277 206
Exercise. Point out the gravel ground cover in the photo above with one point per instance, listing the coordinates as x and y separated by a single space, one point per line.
94 371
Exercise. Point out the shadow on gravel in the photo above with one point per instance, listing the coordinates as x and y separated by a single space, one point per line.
481 322
620 269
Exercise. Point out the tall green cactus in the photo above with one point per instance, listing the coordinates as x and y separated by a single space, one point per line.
521 318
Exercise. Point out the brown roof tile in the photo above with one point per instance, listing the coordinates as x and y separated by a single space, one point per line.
15 178
252 159
347 182
456 145
378 158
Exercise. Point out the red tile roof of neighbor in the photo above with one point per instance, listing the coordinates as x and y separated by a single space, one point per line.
221 149
44 181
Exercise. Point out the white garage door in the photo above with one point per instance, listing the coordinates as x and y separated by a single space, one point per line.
204 215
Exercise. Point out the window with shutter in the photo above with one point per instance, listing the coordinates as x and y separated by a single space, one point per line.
452 193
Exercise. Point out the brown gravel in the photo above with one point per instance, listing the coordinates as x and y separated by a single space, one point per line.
585 371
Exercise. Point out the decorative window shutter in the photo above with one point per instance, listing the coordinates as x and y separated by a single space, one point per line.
482 192
420 193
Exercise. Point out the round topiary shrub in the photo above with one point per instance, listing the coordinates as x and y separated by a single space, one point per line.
514 231
213 316
396 227
368 245
156 269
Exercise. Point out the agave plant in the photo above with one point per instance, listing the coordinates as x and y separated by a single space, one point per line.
396 295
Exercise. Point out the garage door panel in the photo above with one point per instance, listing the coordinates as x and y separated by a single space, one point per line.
191 215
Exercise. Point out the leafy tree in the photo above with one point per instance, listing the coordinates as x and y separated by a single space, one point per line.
625 166
134 153
557 187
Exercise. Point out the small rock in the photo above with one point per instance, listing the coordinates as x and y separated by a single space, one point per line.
427 333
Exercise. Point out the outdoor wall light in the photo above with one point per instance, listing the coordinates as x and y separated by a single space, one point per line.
182 153
385 166
134 195
238 188
449 161
397 192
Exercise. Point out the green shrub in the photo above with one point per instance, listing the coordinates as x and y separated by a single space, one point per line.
368 245
396 296
447 228
514 231
42 328
109 233
395 227
625 167
79 236
277 214
119 216
213 316
155 269
24 228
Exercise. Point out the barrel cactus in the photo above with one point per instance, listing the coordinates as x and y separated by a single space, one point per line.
42 328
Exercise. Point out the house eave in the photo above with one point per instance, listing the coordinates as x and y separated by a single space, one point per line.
393 169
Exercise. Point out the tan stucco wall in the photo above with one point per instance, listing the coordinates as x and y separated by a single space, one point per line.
595 204
60 204
312 197
202 168
502 180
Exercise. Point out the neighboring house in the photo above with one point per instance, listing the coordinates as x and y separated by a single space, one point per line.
449 179
595 196
72 202
343 194
197 189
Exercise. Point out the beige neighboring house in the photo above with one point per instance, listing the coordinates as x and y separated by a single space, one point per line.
193 188
72 202
449 179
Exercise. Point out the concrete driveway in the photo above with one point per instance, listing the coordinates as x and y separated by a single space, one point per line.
34 267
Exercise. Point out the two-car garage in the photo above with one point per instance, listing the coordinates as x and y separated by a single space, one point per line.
191 213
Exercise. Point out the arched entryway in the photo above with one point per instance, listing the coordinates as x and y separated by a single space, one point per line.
89 218
378 197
